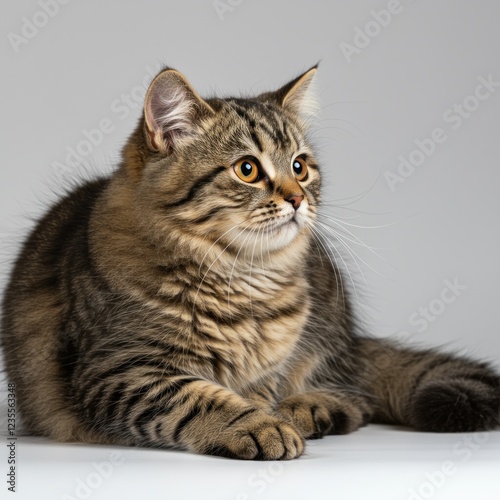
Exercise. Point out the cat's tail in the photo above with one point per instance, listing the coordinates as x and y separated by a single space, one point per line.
428 390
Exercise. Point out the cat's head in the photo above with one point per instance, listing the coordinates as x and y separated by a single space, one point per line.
238 171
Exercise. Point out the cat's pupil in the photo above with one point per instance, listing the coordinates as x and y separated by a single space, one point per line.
246 169
297 167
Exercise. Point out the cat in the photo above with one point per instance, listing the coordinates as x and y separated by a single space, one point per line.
186 302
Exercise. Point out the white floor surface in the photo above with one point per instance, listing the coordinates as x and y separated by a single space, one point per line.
376 462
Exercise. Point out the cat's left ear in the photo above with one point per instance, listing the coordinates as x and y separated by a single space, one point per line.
299 96
172 110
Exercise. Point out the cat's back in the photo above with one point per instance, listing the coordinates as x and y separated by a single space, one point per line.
40 264
37 296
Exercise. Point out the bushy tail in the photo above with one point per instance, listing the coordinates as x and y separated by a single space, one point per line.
428 390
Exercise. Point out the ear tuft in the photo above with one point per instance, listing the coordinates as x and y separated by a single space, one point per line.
171 110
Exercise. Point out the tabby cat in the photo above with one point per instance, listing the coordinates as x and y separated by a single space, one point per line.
186 302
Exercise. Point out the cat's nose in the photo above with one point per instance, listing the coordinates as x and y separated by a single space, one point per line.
295 200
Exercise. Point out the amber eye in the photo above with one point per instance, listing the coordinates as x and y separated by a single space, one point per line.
299 168
247 170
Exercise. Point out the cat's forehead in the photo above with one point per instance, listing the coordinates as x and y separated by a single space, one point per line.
261 124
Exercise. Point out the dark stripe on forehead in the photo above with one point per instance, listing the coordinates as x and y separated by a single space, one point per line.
289 136
273 123
268 121
285 124
293 133
267 130
199 184
242 113
256 140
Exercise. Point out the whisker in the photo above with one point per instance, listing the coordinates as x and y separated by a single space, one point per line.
338 277
341 207
345 265
234 265
214 243
361 195
356 240
250 274
211 265
341 221
341 240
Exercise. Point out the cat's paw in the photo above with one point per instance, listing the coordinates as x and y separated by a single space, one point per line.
259 436
466 404
316 414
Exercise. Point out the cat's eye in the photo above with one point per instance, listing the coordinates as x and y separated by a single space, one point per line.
247 170
299 167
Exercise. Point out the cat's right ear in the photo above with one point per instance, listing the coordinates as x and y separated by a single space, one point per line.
299 96
172 109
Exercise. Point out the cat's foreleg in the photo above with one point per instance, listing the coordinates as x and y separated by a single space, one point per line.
193 414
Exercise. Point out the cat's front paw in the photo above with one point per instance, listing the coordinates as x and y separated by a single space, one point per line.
317 414
259 436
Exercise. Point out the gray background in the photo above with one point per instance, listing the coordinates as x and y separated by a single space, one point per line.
439 224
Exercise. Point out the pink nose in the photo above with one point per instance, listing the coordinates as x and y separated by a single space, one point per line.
295 200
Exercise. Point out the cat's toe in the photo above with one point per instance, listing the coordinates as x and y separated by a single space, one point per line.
313 421
318 414
261 437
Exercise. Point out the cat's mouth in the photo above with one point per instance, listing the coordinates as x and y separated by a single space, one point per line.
283 223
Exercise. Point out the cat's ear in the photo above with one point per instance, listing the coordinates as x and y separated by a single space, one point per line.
172 109
299 96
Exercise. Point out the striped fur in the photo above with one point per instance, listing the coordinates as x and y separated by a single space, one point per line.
175 305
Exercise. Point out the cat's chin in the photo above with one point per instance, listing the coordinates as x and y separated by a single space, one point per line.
265 240
279 236
283 235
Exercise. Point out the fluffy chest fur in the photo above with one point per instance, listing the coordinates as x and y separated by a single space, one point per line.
247 324
234 325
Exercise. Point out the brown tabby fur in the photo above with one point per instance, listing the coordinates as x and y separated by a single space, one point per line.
138 314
